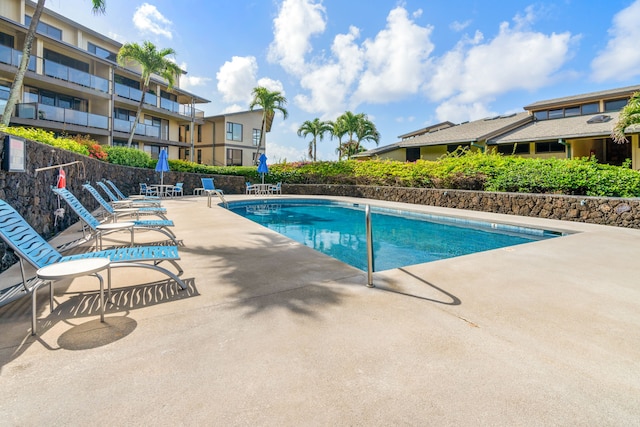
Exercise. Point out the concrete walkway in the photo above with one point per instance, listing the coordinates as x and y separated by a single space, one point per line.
273 333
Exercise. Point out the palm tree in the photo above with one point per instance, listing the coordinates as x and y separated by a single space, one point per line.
317 129
629 115
358 128
338 130
151 61
16 86
269 101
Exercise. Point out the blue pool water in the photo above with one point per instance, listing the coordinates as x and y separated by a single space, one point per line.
400 238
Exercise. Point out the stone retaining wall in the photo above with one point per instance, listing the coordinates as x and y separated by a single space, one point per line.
29 192
618 212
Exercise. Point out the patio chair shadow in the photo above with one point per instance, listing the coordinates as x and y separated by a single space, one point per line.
124 300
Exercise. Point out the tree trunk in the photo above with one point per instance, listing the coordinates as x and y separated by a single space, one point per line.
262 126
16 86
138 113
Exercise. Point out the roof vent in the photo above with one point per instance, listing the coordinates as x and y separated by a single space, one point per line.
600 118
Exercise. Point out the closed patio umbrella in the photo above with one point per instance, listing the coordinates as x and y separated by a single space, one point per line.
262 166
163 165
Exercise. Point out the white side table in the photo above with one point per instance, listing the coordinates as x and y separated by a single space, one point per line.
70 270
113 226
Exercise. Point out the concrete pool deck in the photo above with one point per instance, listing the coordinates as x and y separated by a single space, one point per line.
273 333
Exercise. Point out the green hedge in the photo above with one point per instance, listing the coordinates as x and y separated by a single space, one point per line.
459 170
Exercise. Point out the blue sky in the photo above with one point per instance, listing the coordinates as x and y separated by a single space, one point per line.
406 64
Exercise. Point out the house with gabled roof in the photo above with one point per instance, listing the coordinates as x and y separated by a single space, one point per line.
569 127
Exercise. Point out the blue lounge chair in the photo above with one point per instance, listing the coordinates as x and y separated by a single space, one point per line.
110 210
127 202
121 195
30 247
160 225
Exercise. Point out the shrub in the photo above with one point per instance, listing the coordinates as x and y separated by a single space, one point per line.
128 157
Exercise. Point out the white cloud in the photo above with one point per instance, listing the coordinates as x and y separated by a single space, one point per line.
235 108
117 37
237 78
272 85
621 58
277 153
395 60
469 77
148 19
296 22
188 82
330 83
458 26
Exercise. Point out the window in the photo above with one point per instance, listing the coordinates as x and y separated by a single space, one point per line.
615 105
199 156
541 115
453 147
256 137
102 53
122 114
54 99
199 128
46 29
153 150
6 40
126 81
169 96
572 111
123 143
413 154
61 59
549 147
234 131
521 148
556 114
234 157
591 108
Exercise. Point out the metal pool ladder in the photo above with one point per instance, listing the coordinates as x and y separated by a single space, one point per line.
367 213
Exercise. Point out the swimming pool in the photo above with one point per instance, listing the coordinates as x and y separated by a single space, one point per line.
400 238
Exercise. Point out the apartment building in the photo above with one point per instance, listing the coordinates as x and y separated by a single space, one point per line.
74 85
225 140
568 127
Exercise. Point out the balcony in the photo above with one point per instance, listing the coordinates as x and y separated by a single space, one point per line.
38 111
13 57
128 92
186 111
120 125
62 72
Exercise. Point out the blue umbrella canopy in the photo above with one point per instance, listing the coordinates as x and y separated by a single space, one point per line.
163 165
262 166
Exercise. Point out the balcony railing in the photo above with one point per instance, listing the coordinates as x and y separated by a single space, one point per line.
141 129
128 92
62 72
62 115
13 57
186 111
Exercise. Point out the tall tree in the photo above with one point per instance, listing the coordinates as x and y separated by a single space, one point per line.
316 128
151 61
358 128
269 101
338 130
16 86
629 115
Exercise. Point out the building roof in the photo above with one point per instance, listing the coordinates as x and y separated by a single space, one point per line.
585 97
467 132
438 126
590 126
